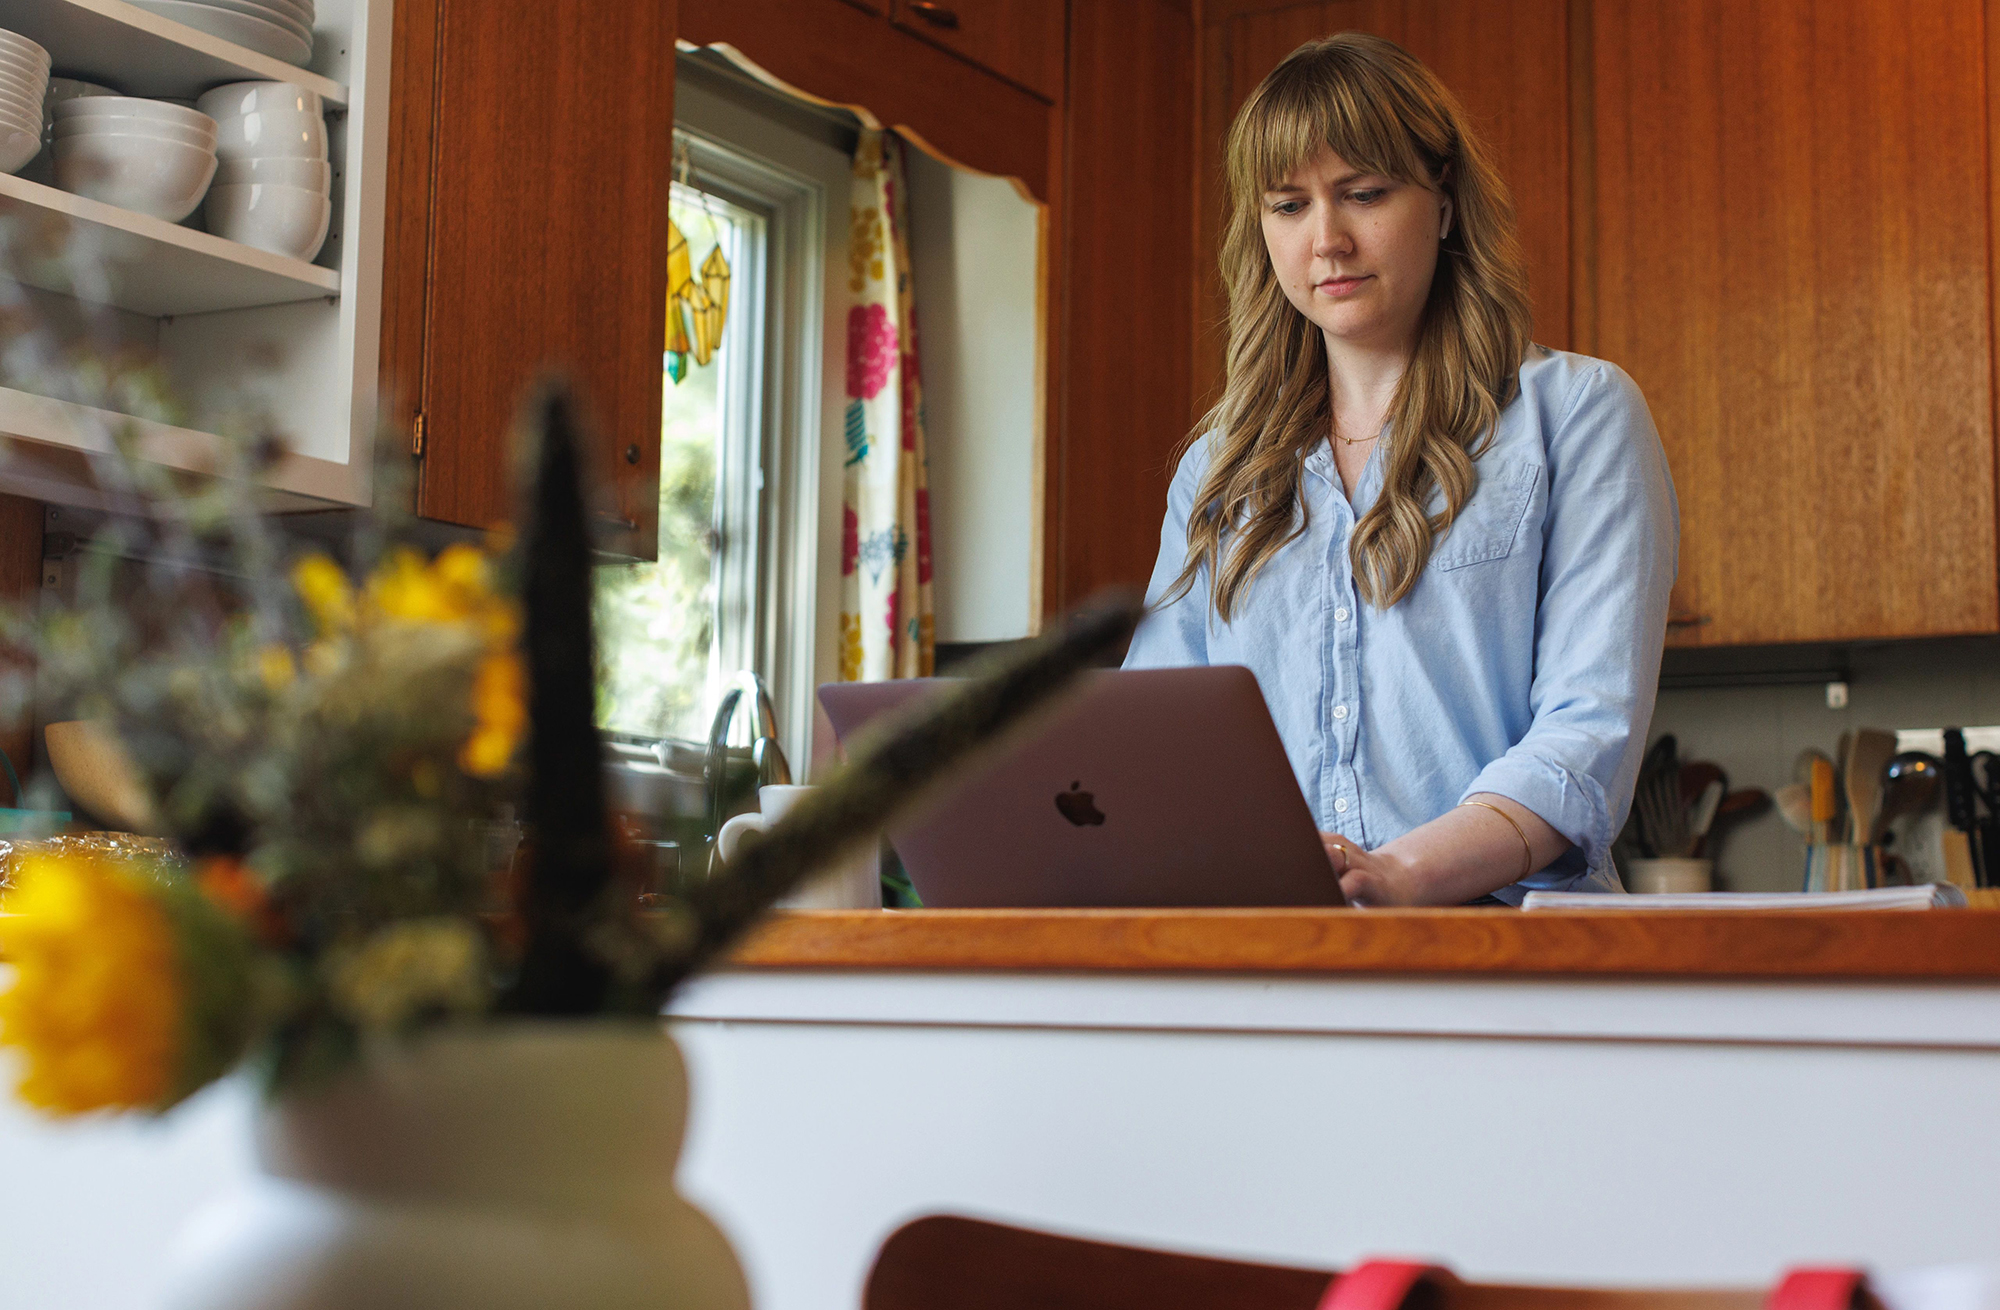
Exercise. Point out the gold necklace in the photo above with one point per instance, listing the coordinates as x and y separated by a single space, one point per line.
1354 441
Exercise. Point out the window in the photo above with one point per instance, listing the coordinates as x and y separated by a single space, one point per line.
747 574
673 629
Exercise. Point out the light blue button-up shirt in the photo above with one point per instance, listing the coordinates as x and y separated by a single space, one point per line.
1523 663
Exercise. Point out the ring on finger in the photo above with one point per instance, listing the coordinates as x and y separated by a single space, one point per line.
1342 848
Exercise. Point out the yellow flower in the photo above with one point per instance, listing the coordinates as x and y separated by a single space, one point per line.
456 587
97 1003
500 715
409 968
276 668
323 586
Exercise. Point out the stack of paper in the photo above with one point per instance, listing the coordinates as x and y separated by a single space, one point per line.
1923 897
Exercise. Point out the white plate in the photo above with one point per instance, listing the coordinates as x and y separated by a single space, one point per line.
268 13
295 14
265 36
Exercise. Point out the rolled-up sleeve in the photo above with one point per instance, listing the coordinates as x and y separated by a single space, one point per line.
1610 542
1175 634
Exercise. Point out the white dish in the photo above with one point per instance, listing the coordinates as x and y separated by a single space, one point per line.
29 51
267 136
42 168
147 174
312 174
156 111
264 35
21 117
285 220
301 10
22 70
17 148
269 13
275 100
68 128
28 88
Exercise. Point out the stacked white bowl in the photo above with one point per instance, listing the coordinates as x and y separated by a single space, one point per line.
42 168
274 189
282 29
144 155
24 80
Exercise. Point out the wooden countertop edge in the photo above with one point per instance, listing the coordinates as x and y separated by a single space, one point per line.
1792 944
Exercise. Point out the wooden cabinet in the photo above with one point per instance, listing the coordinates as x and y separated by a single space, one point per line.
1127 294
1791 257
1021 40
831 50
541 133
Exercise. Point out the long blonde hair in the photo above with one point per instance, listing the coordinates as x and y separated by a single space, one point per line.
1382 112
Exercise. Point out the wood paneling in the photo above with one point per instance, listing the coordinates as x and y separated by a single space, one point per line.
1128 293
836 52
1021 40
1611 943
1506 60
551 159
1792 260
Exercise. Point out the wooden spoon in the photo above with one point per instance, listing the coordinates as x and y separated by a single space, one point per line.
1868 755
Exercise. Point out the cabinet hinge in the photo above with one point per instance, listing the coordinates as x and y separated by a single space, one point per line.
417 437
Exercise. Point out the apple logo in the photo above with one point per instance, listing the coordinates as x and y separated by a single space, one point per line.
1079 807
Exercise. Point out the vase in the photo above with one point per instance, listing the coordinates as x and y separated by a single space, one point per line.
512 1165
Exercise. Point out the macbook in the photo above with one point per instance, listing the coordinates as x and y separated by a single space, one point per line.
1148 787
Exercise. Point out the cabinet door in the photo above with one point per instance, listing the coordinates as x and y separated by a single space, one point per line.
1791 259
1021 40
1506 60
550 156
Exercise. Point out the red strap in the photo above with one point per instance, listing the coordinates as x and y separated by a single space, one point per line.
1380 1284
1817 1289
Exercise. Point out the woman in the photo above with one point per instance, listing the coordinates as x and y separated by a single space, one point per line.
1444 551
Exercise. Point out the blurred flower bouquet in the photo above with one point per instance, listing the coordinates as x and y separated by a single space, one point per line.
326 745
325 754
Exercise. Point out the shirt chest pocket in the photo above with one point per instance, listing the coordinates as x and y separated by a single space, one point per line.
1487 528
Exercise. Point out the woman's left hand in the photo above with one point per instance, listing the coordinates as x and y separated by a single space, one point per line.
1367 877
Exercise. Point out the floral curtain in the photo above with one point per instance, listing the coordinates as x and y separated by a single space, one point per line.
886 622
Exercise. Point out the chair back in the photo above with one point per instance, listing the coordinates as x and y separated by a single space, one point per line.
944 1262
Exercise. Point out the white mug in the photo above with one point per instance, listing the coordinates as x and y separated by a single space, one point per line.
855 883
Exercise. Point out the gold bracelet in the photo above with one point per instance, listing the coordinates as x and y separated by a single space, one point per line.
1527 851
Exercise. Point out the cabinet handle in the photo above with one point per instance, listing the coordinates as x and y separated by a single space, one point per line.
935 15
1689 620
610 520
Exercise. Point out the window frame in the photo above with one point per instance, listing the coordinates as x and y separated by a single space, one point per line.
778 490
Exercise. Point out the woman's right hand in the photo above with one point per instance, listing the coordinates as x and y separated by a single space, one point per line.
1367 877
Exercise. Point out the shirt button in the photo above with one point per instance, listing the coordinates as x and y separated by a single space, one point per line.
1340 615
1340 711
1340 806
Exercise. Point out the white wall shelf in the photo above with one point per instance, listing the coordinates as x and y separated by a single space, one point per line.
62 451
143 54
240 335
161 269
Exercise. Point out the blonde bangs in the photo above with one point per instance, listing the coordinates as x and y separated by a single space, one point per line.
1303 106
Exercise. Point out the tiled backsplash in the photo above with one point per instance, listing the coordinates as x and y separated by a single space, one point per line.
1756 732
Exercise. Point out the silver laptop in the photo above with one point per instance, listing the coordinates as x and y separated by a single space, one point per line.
1149 787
